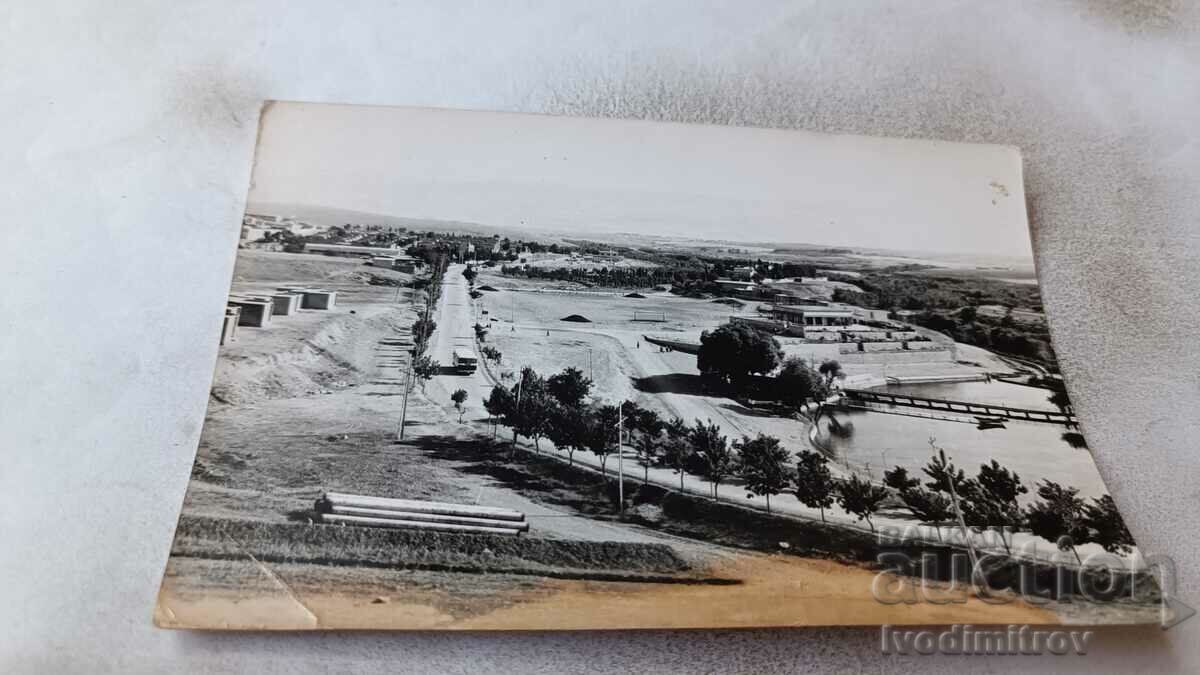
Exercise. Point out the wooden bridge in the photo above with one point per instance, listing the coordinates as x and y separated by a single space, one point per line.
864 398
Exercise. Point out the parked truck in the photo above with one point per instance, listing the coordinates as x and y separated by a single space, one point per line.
465 361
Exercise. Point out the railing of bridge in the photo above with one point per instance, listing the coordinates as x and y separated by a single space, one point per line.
968 407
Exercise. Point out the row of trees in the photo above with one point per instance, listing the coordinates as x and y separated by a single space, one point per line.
685 273
1029 341
559 408
615 277
424 367
893 289
990 500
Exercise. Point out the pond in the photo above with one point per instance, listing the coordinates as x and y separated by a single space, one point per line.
1035 451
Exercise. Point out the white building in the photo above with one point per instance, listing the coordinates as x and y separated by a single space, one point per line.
812 315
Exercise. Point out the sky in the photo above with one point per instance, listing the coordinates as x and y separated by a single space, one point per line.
581 176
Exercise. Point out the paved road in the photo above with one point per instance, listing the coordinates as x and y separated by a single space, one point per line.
456 328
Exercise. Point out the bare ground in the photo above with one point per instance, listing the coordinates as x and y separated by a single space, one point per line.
778 591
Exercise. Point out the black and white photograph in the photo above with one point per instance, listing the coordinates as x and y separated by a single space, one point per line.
504 371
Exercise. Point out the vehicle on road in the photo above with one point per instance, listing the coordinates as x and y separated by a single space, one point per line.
464 361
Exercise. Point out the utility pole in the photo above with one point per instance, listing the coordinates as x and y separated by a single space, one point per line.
962 524
517 413
407 389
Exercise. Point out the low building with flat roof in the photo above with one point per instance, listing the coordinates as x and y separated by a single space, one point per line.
812 315
735 287
863 313
743 273
312 298
796 299
253 312
351 250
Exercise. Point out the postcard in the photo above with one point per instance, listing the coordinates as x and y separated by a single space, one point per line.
501 371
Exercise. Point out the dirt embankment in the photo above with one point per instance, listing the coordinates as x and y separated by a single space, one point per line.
283 362
312 351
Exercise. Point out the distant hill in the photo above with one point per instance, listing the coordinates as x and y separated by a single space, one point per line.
827 255
329 216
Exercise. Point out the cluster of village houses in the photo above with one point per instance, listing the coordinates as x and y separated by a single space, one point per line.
257 309
256 227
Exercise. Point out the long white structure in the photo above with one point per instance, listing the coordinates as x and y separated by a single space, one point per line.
349 509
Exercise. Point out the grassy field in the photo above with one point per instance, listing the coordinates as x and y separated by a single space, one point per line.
352 277
606 309
528 330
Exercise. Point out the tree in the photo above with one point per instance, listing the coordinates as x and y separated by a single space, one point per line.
480 332
422 329
735 351
860 498
796 383
831 370
648 443
899 480
424 367
535 406
943 473
499 406
713 448
1000 484
677 450
927 506
569 429
1061 400
491 353
814 485
469 274
967 314
762 464
459 397
569 387
990 501
1058 517
1106 526
994 502
602 433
